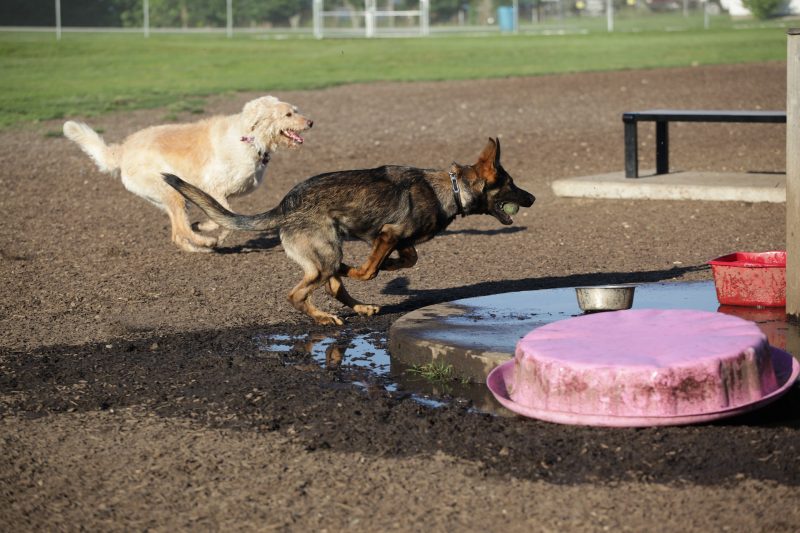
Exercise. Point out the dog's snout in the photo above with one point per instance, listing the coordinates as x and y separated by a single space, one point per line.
526 199
310 123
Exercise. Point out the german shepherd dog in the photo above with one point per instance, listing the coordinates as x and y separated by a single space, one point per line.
391 207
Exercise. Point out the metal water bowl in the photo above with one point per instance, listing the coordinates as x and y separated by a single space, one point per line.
605 297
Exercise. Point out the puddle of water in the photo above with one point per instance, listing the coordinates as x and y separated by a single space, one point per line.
365 353
497 322
276 343
361 351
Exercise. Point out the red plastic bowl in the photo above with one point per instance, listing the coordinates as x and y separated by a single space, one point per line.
750 279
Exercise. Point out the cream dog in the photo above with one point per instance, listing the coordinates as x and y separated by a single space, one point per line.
224 156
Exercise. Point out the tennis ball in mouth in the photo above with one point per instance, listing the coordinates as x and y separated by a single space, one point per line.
510 208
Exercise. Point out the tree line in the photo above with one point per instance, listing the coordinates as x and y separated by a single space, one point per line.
195 13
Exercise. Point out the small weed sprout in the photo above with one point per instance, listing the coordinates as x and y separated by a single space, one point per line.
436 372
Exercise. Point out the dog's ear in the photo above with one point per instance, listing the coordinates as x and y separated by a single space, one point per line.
251 114
486 167
256 110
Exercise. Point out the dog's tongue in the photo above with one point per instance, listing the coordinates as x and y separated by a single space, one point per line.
293 136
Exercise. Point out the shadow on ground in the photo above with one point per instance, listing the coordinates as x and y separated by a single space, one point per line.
266 241
224 379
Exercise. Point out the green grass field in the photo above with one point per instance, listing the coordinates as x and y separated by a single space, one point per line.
86 74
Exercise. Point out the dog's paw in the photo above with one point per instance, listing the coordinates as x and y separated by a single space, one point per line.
205 242
203 250
205 226
367 309
328 320
187 246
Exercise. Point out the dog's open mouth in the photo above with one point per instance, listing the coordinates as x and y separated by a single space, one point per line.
293 136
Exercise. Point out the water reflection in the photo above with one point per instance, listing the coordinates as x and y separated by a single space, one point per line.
369 365
365 351
771 320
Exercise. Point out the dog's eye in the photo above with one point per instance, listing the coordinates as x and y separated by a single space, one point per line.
289 114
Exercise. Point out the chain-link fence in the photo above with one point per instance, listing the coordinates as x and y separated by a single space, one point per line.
376 18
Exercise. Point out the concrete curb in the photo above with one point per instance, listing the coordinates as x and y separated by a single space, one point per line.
407 336
709 186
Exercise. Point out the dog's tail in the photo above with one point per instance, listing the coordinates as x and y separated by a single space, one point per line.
105 157
261 222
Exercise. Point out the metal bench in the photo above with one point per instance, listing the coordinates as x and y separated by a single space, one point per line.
662 118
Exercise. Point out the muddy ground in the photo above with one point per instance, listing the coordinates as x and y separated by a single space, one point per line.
134 393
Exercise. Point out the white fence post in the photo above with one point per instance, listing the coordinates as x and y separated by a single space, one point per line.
369 17
317 11
146 19
793 174
58 20
424 17
229 15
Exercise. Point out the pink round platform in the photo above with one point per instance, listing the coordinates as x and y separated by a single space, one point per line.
642 368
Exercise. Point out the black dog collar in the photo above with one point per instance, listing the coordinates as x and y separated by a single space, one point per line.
456 193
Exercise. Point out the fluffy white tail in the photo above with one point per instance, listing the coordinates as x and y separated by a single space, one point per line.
105 157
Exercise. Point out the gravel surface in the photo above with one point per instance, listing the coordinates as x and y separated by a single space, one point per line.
134 392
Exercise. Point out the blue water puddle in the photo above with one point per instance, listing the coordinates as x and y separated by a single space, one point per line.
359 351
277 343
364 355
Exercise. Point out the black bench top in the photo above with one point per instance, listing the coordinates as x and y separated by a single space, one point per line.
699 115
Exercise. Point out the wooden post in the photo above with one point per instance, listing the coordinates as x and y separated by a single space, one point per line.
793 174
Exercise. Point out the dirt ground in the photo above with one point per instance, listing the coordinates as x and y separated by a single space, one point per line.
134 394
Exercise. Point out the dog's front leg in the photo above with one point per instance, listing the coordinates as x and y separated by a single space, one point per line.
382 246
407 259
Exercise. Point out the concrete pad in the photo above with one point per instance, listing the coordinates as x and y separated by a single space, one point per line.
713 186
474 335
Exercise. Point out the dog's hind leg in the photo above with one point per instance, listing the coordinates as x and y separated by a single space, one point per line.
407 259
336 289
317 256
382 246
182 234
300 298
210 225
